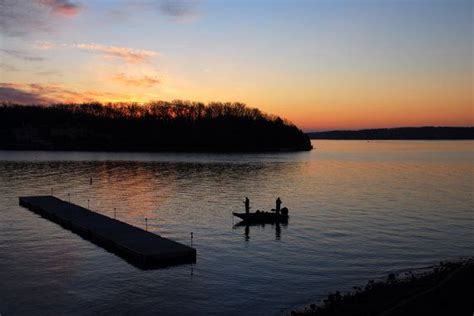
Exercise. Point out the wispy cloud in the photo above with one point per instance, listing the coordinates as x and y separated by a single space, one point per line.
20 55
62 7
144 81
49 73
129 55
175 10
6 67
19 17
43 45
178 9
22 17
35 93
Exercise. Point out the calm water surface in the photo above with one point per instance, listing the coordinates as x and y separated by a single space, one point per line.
358 210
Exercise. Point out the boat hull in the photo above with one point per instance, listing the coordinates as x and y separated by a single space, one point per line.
262 217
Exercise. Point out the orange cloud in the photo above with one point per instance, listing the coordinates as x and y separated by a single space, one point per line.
145 81
62 7
129 55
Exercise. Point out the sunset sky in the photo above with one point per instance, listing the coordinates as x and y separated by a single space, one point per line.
322 64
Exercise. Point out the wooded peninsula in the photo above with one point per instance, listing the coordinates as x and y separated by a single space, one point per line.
402 133
156 126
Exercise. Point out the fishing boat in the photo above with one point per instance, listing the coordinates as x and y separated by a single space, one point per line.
264 217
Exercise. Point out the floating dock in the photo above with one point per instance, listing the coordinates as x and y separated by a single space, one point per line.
139 247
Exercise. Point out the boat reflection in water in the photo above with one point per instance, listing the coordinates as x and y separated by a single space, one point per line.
277 217
277 225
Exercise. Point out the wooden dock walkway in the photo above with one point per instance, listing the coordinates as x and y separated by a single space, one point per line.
139 247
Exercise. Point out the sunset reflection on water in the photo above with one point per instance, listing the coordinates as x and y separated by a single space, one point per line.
358 210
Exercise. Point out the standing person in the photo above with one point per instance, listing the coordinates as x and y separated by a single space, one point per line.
247 205
278 205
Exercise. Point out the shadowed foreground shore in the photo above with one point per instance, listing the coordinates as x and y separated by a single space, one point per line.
448 289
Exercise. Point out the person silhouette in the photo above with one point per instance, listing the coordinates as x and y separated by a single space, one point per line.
278 205
247 205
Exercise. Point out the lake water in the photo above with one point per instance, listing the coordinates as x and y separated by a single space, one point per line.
358 210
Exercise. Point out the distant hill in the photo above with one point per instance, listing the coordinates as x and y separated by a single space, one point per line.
158 126
427 132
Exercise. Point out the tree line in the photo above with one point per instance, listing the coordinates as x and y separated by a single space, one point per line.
426 132
159 125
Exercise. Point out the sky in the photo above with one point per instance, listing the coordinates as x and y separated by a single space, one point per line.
322 64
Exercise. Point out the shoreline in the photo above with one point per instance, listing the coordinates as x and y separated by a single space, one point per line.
154 150
443 289
399 133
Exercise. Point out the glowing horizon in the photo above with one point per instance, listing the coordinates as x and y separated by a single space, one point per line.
343 64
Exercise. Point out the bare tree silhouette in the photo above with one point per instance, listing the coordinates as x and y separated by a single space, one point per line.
159 125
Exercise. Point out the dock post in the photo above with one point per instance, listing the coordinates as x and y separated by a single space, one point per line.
88 204
146 224
192 239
